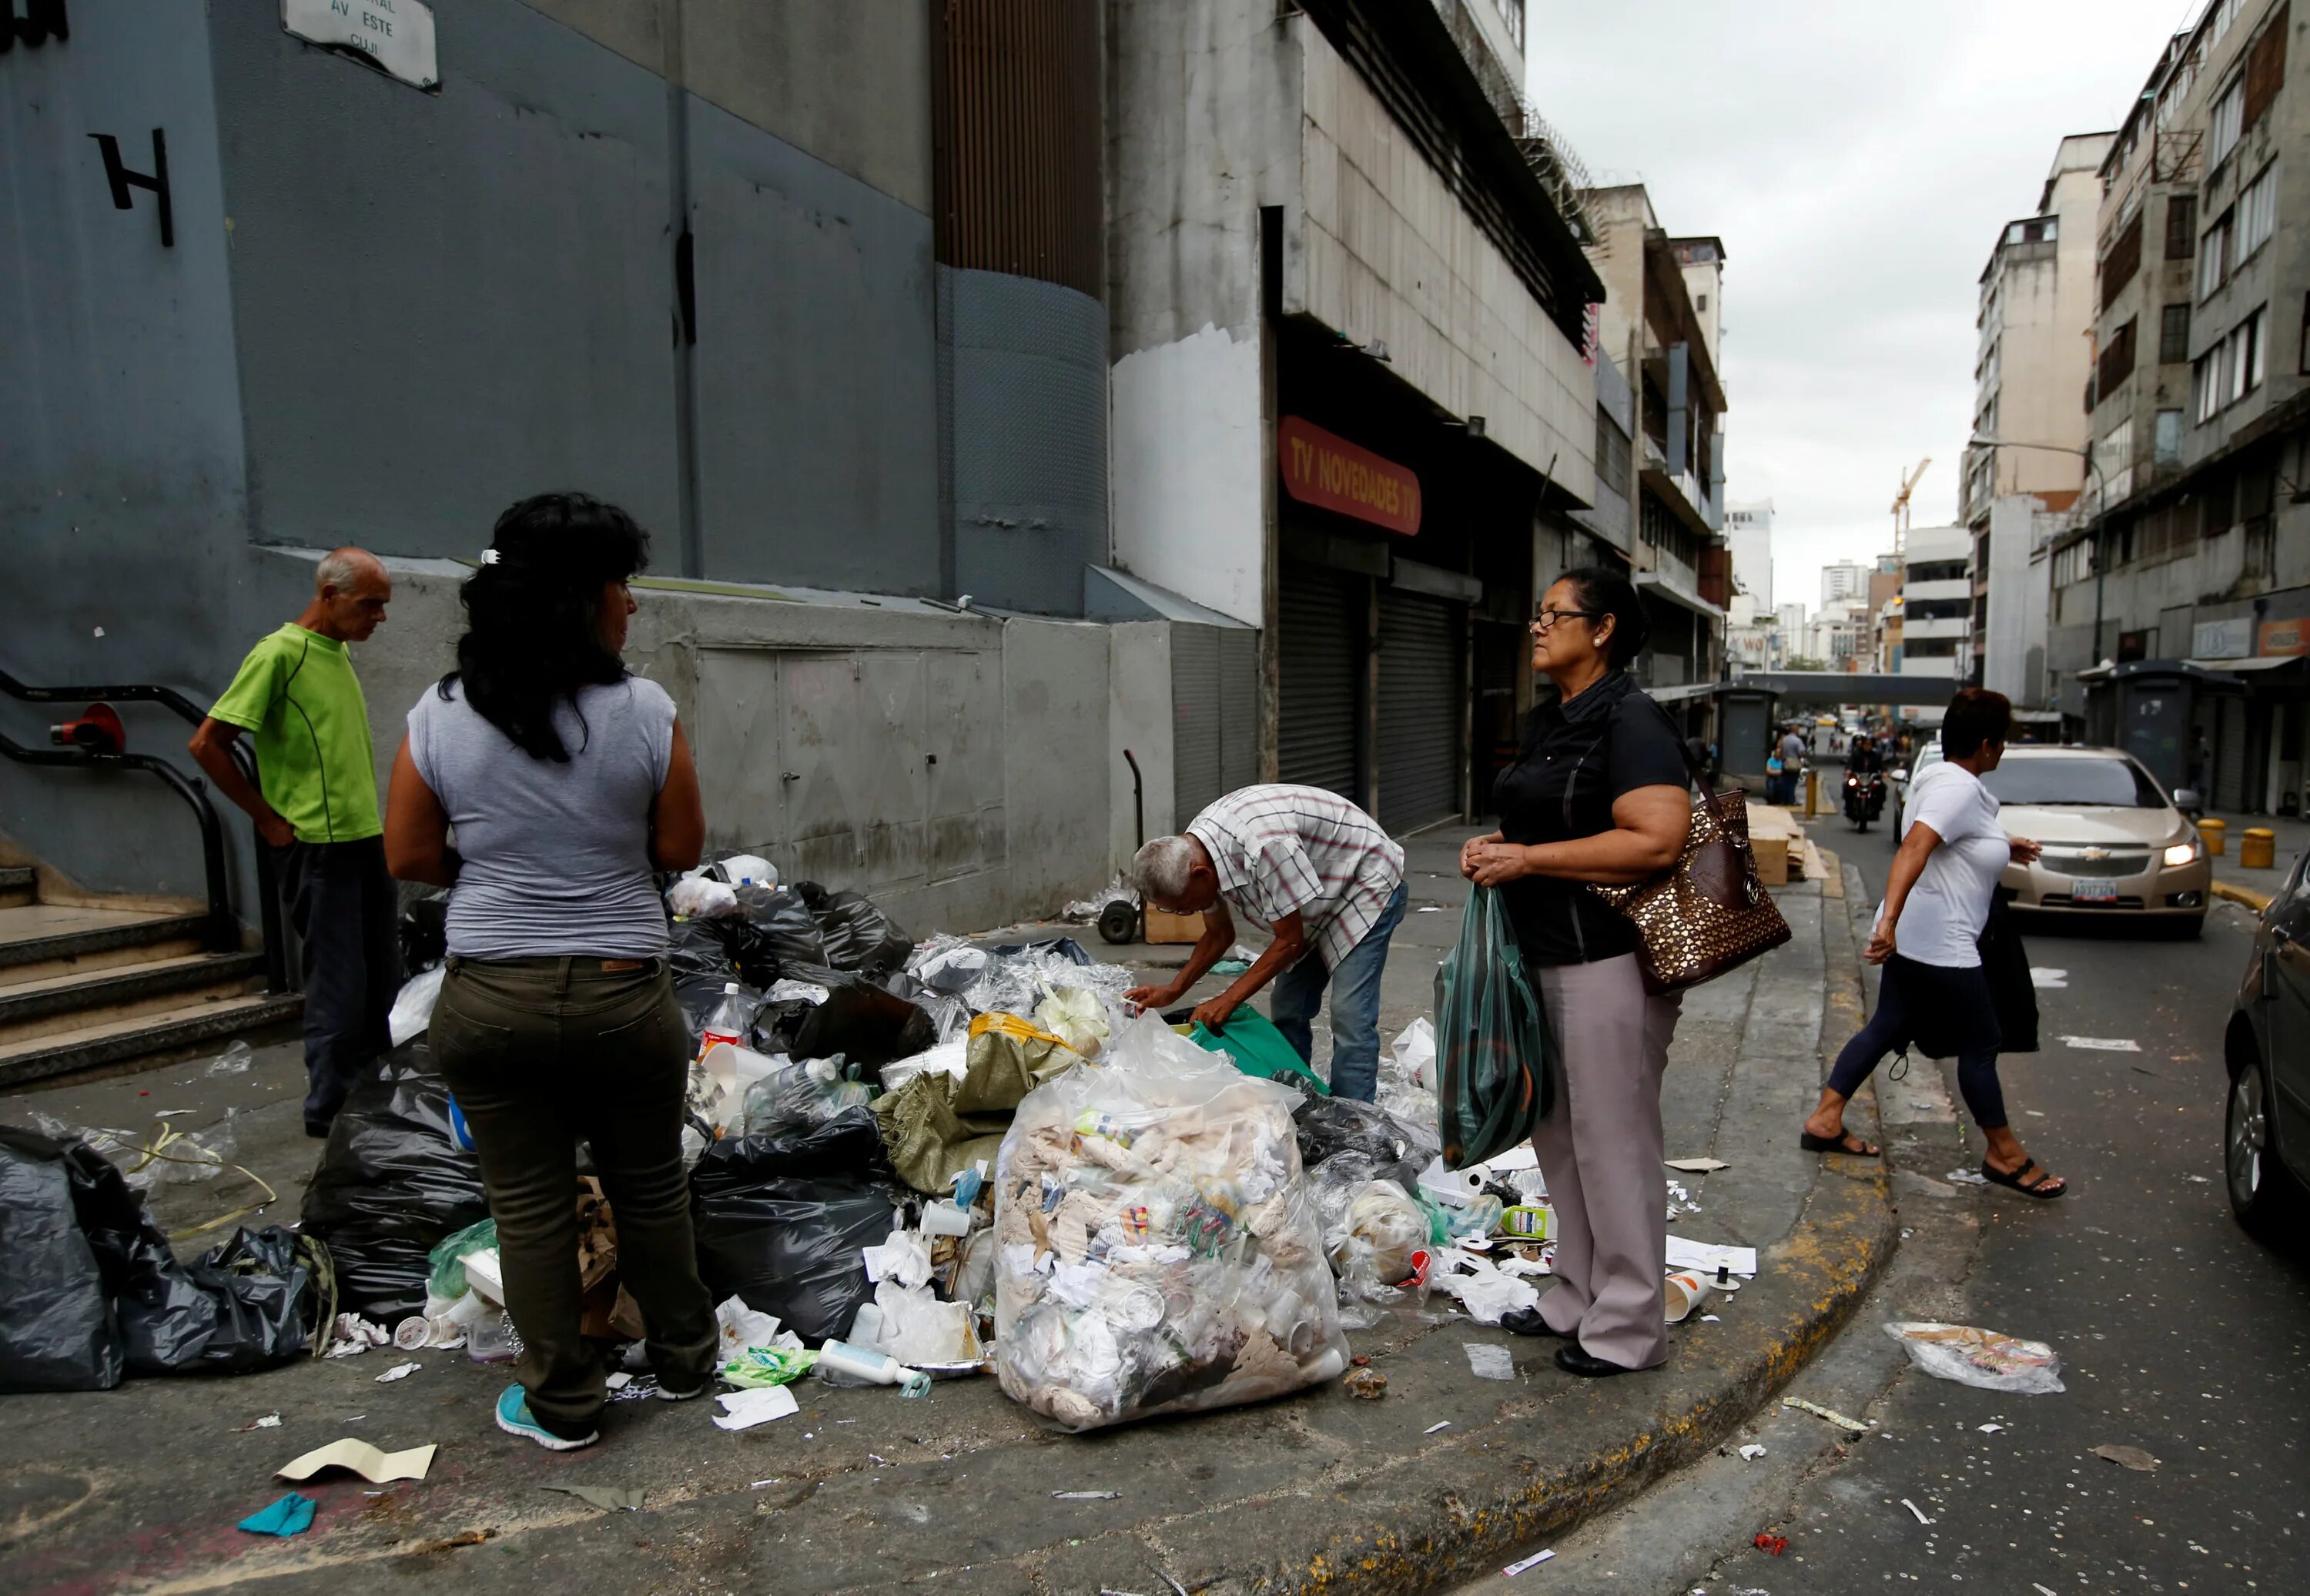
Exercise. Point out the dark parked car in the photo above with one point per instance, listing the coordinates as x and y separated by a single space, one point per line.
2266 1129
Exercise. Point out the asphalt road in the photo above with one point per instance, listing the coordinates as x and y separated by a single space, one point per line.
2178 1334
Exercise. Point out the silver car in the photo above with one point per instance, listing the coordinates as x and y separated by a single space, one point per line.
2114 844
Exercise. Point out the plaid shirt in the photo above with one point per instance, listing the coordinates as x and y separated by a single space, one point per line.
1280 851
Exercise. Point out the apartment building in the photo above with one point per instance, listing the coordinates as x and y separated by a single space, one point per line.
1748 530
1661 324
2181 602
1846 579
1937 603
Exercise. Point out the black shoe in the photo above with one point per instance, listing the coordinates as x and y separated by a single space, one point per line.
1573 1360
1527 1322
318 1132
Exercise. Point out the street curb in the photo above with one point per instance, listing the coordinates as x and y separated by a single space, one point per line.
1454 1510
2247 895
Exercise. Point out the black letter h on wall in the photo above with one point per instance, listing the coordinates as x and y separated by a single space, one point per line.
122 180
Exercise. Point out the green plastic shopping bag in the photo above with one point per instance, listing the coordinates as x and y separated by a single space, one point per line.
1491 1039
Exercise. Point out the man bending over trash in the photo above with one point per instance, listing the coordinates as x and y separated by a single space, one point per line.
1325 876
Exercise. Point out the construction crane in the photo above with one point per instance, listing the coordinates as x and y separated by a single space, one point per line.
1901 506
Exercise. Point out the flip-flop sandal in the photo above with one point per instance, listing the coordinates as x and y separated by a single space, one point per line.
2028 1188
1836 1144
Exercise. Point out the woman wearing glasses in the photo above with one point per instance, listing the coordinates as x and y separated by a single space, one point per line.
1598 793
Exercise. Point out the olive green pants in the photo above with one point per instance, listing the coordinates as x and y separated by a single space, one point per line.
542 1052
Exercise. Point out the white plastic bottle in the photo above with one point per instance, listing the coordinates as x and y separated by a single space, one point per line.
729 1021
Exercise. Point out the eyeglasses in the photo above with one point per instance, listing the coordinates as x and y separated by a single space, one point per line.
1544 618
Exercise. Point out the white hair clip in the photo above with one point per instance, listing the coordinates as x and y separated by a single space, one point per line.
489 556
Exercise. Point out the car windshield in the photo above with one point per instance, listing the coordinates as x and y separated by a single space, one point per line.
2112 782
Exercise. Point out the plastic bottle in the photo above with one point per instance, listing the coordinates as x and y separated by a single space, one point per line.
729 1022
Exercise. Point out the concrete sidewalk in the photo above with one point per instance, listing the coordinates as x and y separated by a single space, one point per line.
140 1488
2254 888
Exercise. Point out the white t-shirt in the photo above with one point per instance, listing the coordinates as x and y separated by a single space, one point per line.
1941 922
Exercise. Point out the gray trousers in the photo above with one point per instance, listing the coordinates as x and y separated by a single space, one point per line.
1599 1148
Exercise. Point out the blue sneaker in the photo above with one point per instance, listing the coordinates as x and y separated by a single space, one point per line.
513 1417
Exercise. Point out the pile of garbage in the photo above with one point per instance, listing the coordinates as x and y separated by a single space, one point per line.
907 1162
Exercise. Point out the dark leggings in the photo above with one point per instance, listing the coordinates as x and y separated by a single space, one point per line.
1960 997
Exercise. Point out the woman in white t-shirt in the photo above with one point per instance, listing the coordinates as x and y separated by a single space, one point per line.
1928 933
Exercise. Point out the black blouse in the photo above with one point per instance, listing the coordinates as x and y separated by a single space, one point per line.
1577 759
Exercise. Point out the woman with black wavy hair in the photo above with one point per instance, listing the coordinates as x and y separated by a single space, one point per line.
1598 793
568 780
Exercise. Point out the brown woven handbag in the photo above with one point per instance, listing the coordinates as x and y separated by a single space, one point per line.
1708 913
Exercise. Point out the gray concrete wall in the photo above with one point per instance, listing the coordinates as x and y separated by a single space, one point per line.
1025 404
121 494
445 302
816 381
849 82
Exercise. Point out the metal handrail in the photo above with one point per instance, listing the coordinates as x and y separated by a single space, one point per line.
224 933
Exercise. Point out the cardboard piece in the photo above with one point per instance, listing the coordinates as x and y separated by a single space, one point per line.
1166 929
358 1456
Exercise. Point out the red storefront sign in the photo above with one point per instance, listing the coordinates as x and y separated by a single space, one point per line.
1328 472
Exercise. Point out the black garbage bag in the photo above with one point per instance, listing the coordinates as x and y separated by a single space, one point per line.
859 936
775 929
57 1332
698 959
392 1184
847 1147
788 1246
245 1305
1066 948
423 928
1398 1149
866 1024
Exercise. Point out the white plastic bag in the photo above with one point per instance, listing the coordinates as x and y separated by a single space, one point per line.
1987 1358
1075 1017
413 1010
750 867
701 897
1157 1249
1413 1053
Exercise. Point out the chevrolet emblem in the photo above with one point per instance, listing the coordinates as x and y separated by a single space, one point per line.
2093 852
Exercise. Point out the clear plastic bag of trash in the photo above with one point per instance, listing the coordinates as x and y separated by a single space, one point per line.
412 1008
1159 1249
739 869
701 897
801 1092
234 1060
1987 1358
163 1157
1076 1017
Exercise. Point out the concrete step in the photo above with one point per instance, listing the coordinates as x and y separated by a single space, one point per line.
40 941
107 1039
19 884
55 1004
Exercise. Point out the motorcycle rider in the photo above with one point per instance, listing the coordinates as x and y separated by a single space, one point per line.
1864 781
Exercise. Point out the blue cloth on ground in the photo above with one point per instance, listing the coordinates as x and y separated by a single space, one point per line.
291 1515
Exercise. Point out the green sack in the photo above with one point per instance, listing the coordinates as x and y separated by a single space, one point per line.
1491 1039
1258 1048
447 1278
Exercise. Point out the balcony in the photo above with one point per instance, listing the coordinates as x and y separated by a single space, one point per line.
1914 630
1916 593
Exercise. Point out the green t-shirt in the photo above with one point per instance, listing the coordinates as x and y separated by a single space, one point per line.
297 692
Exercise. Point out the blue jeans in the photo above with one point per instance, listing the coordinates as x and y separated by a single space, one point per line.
1355 1006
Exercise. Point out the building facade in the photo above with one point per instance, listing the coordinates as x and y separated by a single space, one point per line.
2180 620
1937 605
1749 533
1846 579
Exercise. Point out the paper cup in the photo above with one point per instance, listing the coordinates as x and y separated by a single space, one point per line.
1684 1290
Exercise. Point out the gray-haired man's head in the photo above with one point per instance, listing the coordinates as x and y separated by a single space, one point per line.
1174 873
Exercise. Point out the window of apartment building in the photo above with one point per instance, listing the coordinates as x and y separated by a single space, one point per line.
2116 359
2227 124
2242 356
2174 336
2265 70
1611 451
2217 497
2168 445
2073 564
2119 265
1512 13
2113 450
2181 226
2257 212
2214 254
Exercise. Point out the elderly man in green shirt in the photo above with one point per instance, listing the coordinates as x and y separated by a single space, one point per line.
297 695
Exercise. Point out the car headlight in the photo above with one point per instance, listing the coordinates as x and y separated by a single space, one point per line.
2182 852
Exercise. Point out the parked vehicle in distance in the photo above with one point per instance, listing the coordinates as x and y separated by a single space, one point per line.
2266 1123
2114 842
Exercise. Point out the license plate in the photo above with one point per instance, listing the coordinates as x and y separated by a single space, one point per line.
2092 891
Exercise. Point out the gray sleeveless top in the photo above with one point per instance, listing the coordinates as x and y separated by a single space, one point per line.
557 857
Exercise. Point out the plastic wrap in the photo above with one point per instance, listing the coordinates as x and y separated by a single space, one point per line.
701 897
1491 1038
788 1246
845 1147
801 1092
1158 1245
391 1184
1987 1358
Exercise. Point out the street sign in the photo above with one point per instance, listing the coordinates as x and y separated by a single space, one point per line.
394 36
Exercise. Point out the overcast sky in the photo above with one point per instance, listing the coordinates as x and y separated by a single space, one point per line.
1858 160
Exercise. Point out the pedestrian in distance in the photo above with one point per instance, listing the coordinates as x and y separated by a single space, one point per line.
569 781
296 696
1936 991
1598 793
1325 878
